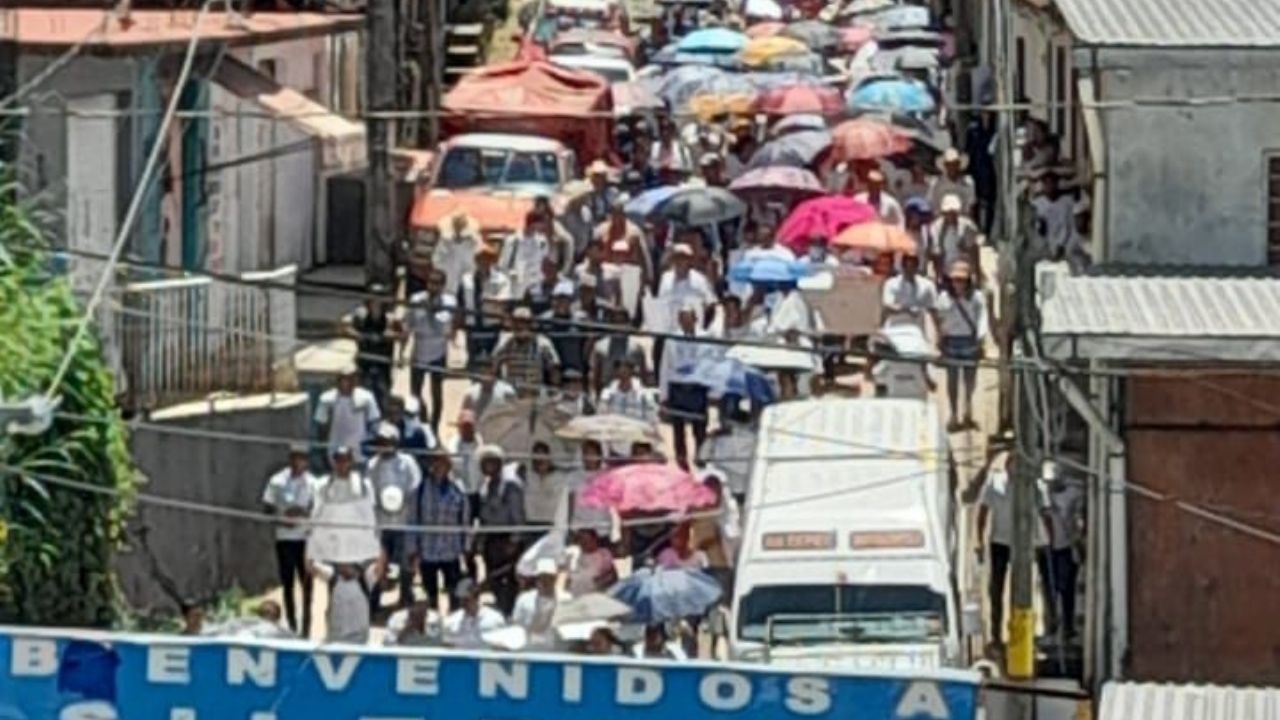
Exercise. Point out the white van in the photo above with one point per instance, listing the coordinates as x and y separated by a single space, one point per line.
848 552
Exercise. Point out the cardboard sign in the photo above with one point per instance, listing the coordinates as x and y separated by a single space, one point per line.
851 307
353 538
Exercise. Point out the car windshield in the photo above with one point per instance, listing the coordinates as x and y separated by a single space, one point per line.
466 167
847 613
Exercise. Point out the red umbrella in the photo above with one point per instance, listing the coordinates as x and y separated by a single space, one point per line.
824 217
867 139
765 29
810 99
646 487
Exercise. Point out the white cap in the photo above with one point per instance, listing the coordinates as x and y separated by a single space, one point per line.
387 431
682 249
951 203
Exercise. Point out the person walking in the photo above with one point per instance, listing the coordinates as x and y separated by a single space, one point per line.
395 476
482 299
290 495
684 403
441 505
501 506
374 330
995 533
430 326
962 328
346 412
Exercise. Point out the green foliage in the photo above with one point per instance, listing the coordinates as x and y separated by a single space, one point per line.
56 544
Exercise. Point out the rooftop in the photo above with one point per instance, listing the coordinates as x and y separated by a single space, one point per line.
102 30
1176 319
1150 701
1177 23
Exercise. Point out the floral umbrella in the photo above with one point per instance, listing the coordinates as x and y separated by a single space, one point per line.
645 487
777 179
867 139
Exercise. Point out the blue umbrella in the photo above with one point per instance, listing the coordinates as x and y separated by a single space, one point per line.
901 95
657 596
796 149
642 206
698 206
768 270
712 40
728 376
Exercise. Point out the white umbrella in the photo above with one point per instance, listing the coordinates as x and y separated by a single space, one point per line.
592 607
773 358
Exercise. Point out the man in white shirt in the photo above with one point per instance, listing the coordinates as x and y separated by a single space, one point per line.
1056 548
522 253
455 252
395 476
544 486
430 325
682 284
961 318
907 297
685 404
953 181
1055 217
995 514
627 396
466 626
886 205
611 349
346 413
536 607
488 392
954 237
290 494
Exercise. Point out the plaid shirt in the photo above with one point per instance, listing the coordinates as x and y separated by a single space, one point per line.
440 504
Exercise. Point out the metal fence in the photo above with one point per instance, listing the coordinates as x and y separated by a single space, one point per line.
181 339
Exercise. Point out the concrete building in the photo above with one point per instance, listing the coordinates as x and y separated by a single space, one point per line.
1170 107
242 190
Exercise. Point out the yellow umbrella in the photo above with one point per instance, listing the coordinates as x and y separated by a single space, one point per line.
708 106
761 50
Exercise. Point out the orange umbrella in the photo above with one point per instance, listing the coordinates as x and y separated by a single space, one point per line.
876 237
867 139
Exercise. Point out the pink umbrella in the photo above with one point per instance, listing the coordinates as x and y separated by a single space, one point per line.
646 487
777 179
852 38
824 217
813 99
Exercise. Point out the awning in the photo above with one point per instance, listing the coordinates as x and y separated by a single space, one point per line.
1169 319
1150 701
342 140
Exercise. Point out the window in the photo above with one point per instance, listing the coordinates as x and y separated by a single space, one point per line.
1020 68
1273 210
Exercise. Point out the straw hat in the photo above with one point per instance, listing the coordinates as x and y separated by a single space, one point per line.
960 270
599 167
952 156
951 203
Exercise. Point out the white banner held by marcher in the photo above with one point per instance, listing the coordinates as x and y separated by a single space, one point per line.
345 533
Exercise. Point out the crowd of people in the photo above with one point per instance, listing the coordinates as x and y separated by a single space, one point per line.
616 321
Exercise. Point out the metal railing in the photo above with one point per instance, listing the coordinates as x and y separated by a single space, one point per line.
184 338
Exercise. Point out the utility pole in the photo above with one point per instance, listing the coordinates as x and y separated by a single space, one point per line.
1020 657
381 72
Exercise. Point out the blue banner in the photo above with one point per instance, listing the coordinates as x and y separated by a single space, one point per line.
69 675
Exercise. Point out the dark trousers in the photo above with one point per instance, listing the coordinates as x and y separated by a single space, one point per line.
393 544
291 561
688 405
416 377
1064 572
1044 566
431 574
480 346
500 559
376 378
469 558
999 556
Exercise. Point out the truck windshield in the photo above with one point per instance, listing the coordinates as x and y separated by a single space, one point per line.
467 167
846 613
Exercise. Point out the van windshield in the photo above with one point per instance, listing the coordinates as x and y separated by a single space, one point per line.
466 167
846 613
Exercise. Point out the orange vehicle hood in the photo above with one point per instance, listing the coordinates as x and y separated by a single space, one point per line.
493 211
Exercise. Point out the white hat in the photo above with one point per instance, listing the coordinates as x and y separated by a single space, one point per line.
682 249
564 288
491 451
599 167
522 313
391 498
387 431
951 203
546 566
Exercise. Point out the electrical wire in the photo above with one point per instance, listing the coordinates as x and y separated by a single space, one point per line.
135 205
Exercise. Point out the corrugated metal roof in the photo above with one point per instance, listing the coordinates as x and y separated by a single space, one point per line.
1176 318
1150 701
1184 23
